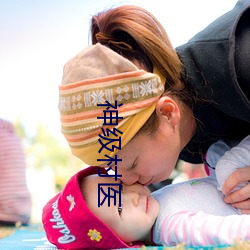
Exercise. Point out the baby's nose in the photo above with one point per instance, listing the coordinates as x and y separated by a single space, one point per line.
131 197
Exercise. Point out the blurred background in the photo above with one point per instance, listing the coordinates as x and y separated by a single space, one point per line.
37 38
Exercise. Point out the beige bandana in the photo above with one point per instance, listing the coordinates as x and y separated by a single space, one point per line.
94 76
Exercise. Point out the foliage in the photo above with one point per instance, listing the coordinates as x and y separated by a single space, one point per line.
45 150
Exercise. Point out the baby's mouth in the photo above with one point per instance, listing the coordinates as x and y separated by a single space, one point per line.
147 203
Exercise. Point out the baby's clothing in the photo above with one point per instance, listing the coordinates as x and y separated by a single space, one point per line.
194 212
15 199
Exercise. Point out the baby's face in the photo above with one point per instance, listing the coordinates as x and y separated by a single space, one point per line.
134 219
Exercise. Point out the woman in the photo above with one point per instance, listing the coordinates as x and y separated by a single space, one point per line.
205 98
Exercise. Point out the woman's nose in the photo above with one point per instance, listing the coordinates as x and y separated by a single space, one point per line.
129 179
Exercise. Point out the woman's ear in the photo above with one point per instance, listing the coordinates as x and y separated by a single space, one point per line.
168 109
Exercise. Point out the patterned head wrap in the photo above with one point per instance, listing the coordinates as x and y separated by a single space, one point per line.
96 75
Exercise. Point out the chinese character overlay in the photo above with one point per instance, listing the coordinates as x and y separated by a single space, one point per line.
110 175
110 116
112 193
109 140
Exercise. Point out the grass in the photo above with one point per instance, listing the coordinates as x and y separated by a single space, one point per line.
239 245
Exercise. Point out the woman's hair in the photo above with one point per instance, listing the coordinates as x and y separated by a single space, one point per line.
137 35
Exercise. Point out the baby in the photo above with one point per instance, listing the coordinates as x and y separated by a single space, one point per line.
191 212
70 223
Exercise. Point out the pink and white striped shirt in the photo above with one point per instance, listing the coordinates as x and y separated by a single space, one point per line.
194 212
15 200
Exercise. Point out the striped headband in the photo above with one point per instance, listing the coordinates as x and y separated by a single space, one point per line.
100 76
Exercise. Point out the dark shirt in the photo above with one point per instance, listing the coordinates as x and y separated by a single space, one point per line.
217 67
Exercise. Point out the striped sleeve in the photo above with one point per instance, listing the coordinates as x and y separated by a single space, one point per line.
15 200
201 229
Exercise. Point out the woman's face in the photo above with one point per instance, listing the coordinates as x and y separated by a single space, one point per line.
149 159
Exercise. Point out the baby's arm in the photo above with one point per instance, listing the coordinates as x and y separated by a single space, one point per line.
214 153
237 157
201 229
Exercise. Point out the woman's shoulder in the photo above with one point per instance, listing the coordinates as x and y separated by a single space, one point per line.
209 65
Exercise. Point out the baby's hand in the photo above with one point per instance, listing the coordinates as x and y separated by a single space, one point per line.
240 198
